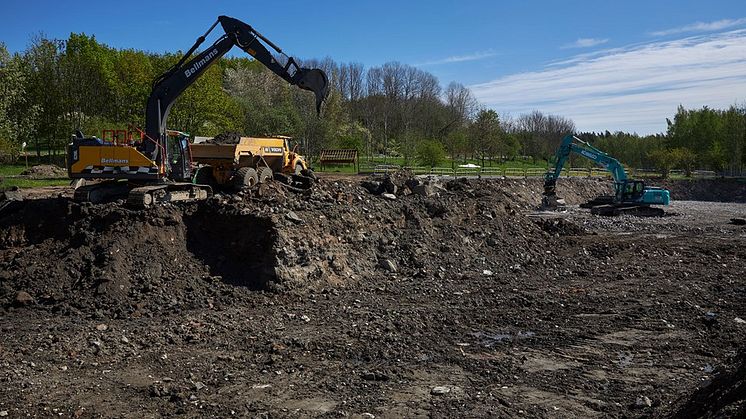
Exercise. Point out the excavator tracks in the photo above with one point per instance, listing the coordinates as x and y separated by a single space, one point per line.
142 196
147 196
638 210
101 192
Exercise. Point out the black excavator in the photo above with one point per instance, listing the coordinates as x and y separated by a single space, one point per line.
157 168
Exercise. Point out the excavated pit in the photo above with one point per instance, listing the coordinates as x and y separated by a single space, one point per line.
68 256
237 248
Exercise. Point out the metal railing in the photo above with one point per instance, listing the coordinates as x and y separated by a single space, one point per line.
593 172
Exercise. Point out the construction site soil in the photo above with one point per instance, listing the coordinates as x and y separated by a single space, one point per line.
447 298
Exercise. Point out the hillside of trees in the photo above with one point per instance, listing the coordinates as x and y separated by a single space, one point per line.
56 86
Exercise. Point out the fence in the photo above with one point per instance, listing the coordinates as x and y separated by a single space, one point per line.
382 169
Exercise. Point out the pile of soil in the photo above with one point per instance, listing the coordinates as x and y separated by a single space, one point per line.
723 396
388 297
110 258
45 171
226 138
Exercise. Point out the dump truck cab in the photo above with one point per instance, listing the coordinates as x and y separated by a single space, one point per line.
291 161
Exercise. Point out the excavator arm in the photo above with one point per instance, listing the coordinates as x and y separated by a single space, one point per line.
170 85
572 144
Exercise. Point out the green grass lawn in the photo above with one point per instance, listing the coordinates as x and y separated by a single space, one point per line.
7 183
11 169
9 178
399 161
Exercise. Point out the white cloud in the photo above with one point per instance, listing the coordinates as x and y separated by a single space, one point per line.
631 89
717 25
585 43
461 58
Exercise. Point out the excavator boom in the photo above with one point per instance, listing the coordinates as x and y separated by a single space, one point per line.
161 166
169 86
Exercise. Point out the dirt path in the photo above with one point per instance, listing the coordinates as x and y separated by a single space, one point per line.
458 304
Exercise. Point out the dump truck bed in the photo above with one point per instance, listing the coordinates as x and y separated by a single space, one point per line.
247 146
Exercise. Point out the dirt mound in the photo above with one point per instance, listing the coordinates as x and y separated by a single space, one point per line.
442 298
106 257
121 262
45 171
226 138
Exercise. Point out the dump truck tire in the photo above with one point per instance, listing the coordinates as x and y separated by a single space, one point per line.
265 174
245 177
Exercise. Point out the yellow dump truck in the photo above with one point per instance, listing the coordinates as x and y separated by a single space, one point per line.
230 160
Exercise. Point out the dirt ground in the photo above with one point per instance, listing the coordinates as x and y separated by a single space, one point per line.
441 299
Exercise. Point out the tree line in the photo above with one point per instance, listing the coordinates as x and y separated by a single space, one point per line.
56 86
705 138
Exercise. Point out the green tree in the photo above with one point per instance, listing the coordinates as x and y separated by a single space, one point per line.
430 152
44 88
457 143
85 68
663 160
684 159
17 115
485 133
734 138
353 136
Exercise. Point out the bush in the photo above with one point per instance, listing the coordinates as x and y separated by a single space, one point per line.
685 159
9 151
430 152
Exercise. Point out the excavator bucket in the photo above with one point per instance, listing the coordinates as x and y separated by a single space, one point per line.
316 81
551 202
549 199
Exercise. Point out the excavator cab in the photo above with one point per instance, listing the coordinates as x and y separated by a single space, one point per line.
635 191
180 159
631 190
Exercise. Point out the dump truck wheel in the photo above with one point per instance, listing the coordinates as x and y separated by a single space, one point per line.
309 173
265 174
245 176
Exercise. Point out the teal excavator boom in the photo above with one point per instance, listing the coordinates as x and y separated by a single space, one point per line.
630 196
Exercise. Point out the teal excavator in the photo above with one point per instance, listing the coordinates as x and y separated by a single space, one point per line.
630 196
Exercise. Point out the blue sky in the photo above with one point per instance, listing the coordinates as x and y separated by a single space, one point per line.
617 65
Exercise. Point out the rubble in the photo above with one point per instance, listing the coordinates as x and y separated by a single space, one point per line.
328 303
